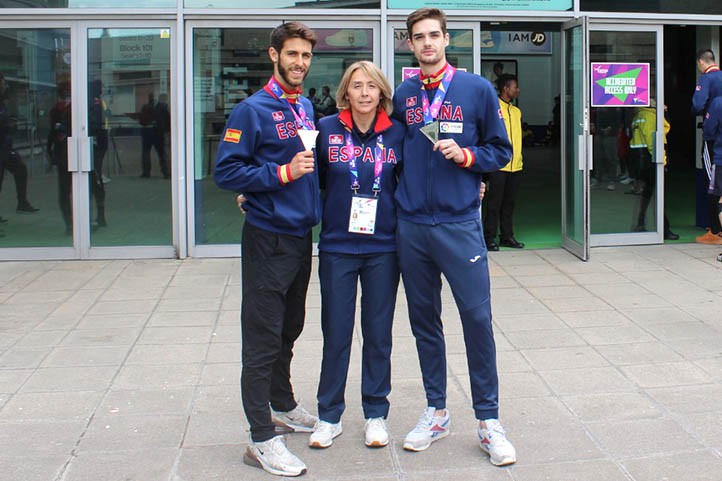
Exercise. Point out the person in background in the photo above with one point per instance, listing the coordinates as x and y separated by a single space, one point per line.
98 129
359 150
326 104
709 87
9 159
713 131
57 150
504 183
454 134
261 154
642 149
151 139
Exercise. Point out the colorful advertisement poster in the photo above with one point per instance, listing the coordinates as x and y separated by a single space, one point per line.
483 4
620 84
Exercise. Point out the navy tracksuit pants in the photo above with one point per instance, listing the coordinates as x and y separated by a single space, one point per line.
339 275
456 250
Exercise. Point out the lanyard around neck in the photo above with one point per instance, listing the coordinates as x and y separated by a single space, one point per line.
302 120
431 111
378 163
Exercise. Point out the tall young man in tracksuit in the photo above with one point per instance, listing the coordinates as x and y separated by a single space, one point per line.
439 229
262 155
708 88
713 130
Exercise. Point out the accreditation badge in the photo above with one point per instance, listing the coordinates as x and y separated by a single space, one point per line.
362 219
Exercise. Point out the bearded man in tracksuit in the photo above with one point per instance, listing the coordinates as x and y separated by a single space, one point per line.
708 88
262 156
439 227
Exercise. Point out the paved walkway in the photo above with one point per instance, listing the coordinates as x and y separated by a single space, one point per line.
610 370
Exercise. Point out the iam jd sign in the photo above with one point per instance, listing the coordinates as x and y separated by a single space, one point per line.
620 84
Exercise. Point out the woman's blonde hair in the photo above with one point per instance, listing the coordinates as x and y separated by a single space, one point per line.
375 74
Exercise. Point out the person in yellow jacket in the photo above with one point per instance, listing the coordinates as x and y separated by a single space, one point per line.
641 145
504 183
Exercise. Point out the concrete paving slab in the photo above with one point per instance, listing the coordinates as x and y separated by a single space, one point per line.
50 406
123 433
702 465
146 402
32 468
147 464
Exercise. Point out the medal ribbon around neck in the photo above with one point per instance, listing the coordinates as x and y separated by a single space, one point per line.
378 163
302 120
431 112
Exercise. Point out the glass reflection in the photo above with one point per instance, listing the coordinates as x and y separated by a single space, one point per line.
129 125
228 66
35 118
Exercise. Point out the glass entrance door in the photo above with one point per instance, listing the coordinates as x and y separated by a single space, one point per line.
35 122
227 64
575 139
77 130
128 163
627 127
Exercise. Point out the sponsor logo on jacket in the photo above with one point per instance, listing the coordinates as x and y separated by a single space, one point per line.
278 116
335 139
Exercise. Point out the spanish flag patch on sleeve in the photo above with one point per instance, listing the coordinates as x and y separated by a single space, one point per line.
232 135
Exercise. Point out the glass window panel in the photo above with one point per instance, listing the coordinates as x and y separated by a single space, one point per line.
283 4
129 121
574 113
459 53
34 97
617 207
229 64
654 6
87 4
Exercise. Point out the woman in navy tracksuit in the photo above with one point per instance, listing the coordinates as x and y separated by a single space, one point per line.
358 151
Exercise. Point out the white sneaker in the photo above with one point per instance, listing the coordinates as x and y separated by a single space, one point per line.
298 420
324 433
274 457
377 435
430 428
492 440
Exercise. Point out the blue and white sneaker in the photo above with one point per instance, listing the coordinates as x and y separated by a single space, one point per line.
492 440
430 428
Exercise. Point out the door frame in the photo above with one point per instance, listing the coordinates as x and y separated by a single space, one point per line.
582 143
639 238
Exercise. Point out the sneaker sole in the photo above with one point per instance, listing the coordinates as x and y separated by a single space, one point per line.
416 449
498 462
290 428
377 444
318 445
251 459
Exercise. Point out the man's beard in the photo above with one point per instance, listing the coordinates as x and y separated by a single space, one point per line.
283 72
